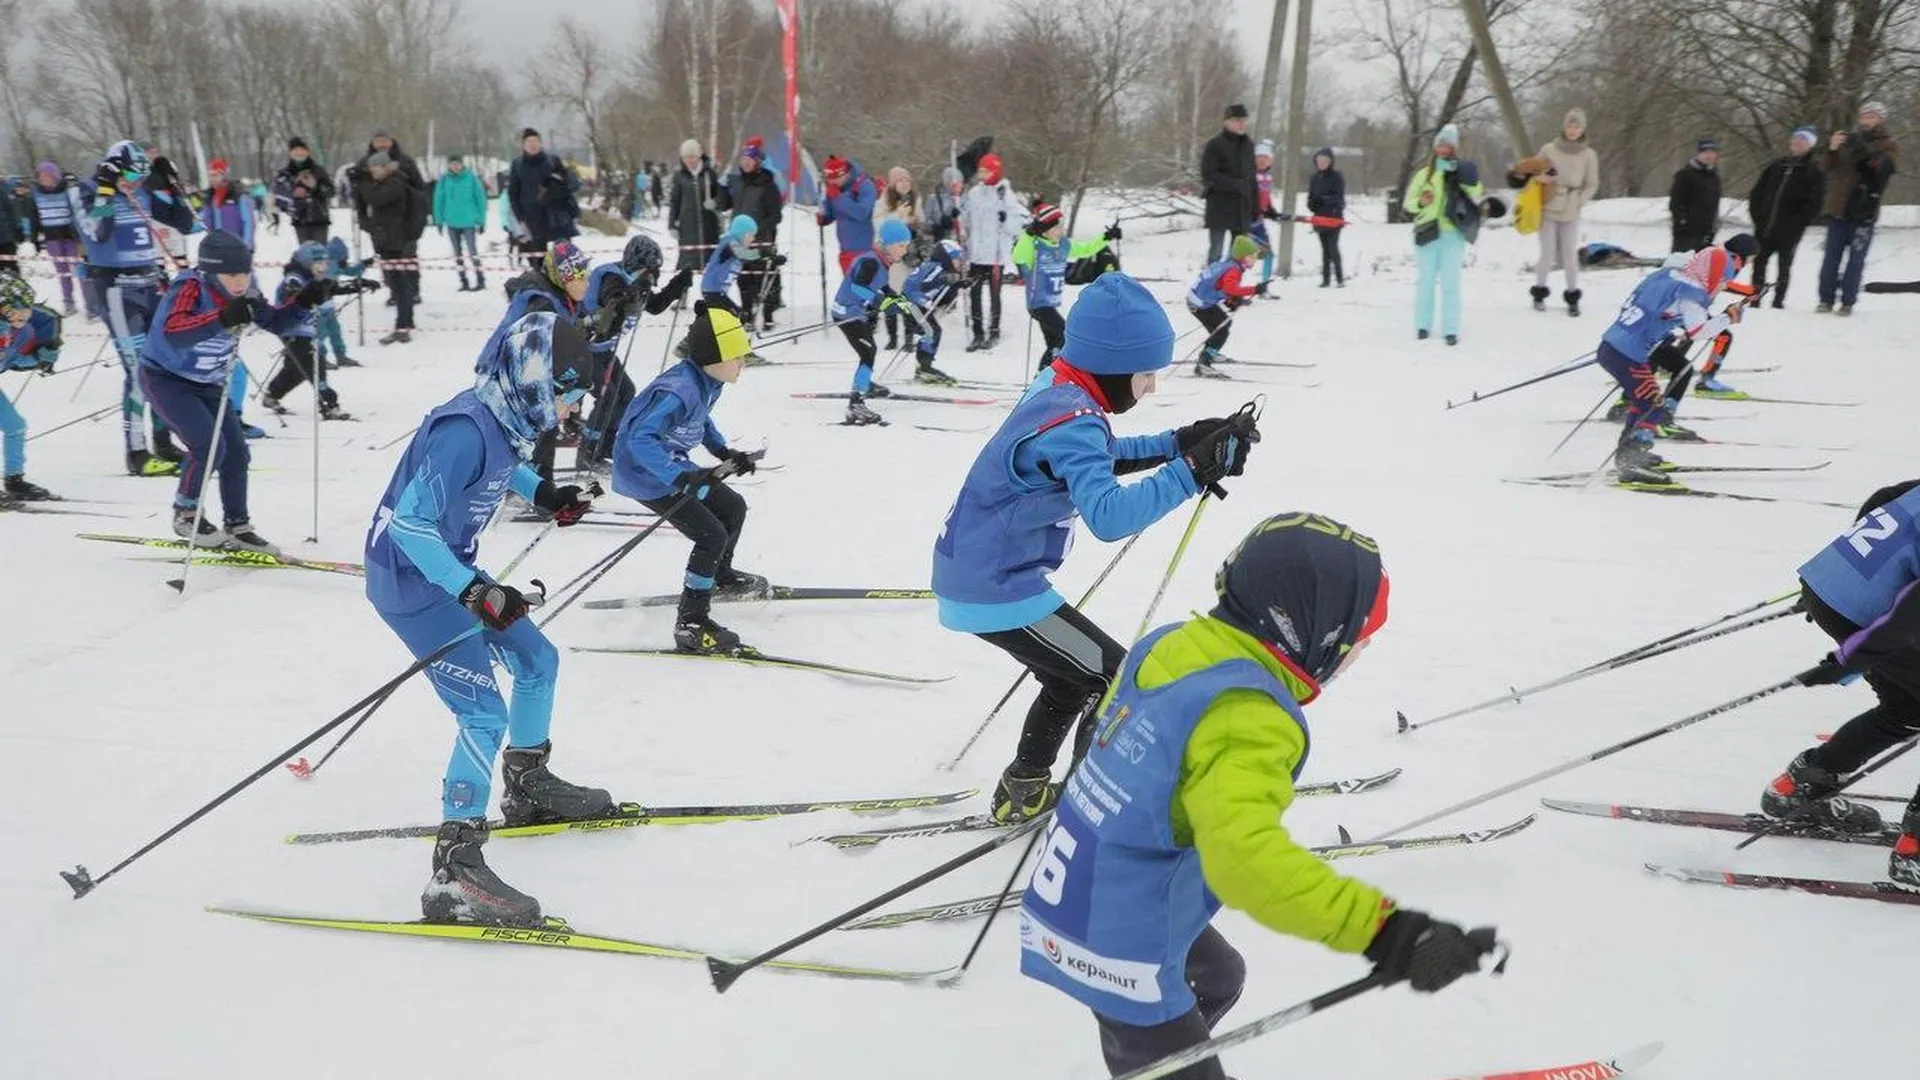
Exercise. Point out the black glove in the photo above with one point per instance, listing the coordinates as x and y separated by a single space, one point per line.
742 462
1193 434
676 285
313 293
237 313
1113 232
1425 952
368 285
164 174
1273 215
1222 453
1828 672
106 176
499 606
776 260
567 504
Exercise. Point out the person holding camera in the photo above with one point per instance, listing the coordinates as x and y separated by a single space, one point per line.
1858 165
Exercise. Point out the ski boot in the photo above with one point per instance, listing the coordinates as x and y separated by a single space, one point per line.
532 795
1903 866
397 337
1572 297
1805 793
272 404
18 489
695 631
330 405
1023 794
464 889
858 414
876 391
1634 462
164 448
1673 432
1540 294
1617 411
1710 386
928 375
731 582
208 535
1203 366
241 537
343 361
141 463
251 431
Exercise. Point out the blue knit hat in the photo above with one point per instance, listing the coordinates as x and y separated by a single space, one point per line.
221 252
895 231
1116 327
742 227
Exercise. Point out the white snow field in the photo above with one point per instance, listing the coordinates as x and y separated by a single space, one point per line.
125 706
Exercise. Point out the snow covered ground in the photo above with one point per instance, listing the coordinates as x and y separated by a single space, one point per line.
123 707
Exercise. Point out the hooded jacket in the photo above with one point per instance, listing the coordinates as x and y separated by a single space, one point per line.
992 219
1326 188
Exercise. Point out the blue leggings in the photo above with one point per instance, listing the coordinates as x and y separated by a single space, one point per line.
194 410
326 331
13 431
465 681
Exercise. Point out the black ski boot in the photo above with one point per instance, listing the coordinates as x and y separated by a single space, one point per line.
19 489
241 537
859 413
1540 294
534 796
1634 462
464 889
1903 866
976 342
164 448
696 632
1805 793
1617 411
330 405
210 535
1572 297
731 582
1023 794
464 287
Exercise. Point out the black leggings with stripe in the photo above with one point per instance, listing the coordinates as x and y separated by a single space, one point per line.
1073 660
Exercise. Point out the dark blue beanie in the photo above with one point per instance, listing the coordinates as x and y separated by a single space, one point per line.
1116 327
221 252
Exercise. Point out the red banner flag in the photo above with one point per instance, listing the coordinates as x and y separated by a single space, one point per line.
790 59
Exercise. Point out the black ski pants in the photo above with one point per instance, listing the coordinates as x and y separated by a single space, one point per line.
1053 330
859 333
1216 972
1329 254
1783 247
713 522
1894 720
1073 661
983 277
1219 324
297 365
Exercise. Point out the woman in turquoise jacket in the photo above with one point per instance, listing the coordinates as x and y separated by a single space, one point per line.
1443 196
460 207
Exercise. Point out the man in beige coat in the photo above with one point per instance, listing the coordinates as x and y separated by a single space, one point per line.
1571 172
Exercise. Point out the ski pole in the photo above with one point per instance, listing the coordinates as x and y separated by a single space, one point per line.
179 584
594 490
725 972
94 415
84 882
825 312
981 937
1871 767
1585 759
951 763
1634 655
1605 396
1193 523
96 360
594 573
673 324
1585 361
1483 937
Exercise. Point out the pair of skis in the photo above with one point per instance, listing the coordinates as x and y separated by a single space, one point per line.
1882 891
214 556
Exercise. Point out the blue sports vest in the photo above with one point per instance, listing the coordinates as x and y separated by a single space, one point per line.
1861 573
295 279
926 283
393 583
722 270
1206 291
1116 902
1656 308
56 207
851 299
1005 533
204 361
130 245
1047 283
684 382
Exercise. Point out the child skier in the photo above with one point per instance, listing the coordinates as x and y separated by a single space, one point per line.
123 264
731 255
31 342
1043 258
932 288
559 285
326 317
672 415
420 553
307 275
1054 459
1860 590
1176 810
1220 289
861 294
1667 311
184 369
617 296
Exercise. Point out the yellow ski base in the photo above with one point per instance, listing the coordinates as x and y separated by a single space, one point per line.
556 934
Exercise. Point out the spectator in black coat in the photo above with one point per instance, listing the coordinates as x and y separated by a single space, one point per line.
691 205
419 208
389 207
1226 177
304 192
752 188
1784 201
541 193
1694 201
1327 198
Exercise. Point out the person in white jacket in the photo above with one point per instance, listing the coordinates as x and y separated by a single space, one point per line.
991 219
1573 173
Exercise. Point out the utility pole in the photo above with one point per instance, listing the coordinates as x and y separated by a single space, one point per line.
1270 75
1289 160
1497 77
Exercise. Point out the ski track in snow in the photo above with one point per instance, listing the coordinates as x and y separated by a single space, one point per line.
125 707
